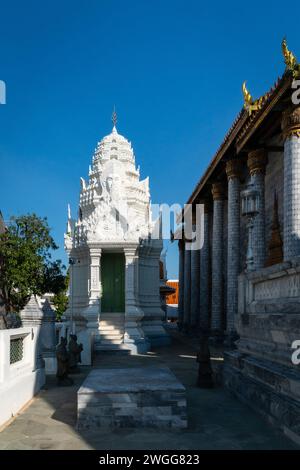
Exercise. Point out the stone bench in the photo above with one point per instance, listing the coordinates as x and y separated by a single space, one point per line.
131 397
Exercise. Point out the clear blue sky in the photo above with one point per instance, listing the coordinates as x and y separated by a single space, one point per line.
173 68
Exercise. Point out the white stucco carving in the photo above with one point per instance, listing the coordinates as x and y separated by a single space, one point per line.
114 202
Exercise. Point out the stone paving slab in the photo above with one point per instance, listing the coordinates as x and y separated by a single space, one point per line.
135 379
131 397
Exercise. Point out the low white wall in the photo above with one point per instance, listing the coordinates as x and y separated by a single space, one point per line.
21 380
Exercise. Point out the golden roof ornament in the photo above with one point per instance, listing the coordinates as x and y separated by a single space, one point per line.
247 97
249 104
289 59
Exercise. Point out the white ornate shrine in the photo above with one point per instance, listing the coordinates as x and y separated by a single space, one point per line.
114 247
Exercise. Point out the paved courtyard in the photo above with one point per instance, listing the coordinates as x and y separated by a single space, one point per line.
216 419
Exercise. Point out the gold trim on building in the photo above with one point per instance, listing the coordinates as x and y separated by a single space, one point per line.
290 123
233 168
257 160
217 191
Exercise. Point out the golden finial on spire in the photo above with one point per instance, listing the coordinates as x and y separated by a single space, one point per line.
114 117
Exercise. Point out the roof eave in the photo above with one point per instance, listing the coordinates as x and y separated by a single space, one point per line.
229 140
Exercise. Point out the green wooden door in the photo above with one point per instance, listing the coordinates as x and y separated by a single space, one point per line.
113 282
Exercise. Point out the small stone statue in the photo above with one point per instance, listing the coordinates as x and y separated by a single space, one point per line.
62 357
74 353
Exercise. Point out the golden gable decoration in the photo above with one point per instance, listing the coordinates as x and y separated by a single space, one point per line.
290 59
249 104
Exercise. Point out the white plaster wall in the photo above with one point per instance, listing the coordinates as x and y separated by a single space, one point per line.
19 382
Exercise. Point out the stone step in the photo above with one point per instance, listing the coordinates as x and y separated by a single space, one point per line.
112 319
104 351
111 336
112 316
111 341
111 328
116 326
111 332
106 329
116 349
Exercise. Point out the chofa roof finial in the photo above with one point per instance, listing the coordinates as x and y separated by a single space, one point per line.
249 104
290 60
248 100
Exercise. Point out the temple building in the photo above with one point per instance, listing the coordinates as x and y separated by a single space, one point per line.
243 286
114 248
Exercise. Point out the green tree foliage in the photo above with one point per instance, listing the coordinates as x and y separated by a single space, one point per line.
60 300
26 267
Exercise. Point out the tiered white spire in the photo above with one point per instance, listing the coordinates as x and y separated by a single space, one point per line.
114 202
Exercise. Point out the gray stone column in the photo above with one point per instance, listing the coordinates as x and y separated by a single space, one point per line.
87 335
257 160
291 133
131 264
95 291
204 322
181 284
233 169
195 288
187 289
134 337
217 260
